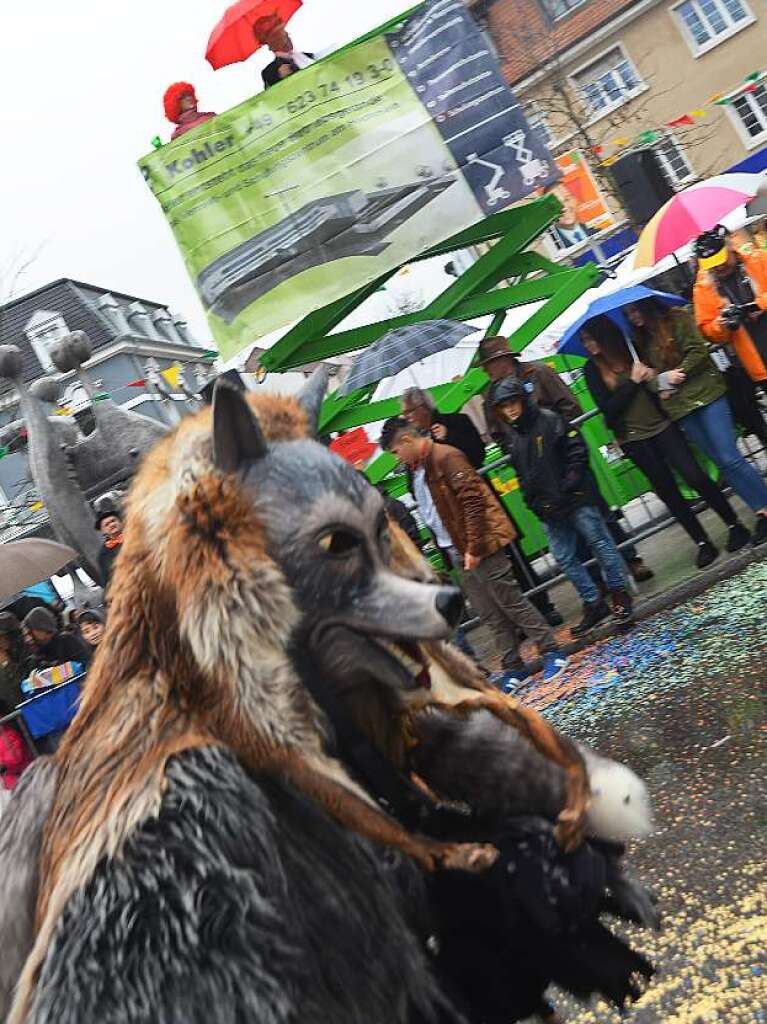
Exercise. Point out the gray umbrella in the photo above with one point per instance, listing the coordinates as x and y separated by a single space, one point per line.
402 347
26 562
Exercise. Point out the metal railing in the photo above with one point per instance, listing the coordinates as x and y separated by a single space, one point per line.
16 717
656 523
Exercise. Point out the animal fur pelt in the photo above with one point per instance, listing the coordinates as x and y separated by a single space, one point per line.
200 762
240 901
203 608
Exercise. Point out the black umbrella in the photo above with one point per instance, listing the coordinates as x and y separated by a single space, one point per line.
402 347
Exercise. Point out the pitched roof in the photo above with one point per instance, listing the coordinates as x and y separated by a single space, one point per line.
78 304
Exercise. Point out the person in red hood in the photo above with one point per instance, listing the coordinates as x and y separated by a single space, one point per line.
14 756
180 102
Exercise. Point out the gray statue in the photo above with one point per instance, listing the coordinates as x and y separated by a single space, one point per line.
69 468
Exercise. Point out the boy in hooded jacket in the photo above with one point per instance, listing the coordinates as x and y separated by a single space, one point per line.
551 460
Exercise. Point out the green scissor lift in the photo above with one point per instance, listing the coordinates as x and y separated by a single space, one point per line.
506 276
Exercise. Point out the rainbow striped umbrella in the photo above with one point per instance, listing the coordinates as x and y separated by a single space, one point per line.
687 214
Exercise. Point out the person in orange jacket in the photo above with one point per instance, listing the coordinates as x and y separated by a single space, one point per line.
730 299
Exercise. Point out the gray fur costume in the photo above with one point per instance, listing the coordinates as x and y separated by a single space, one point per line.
241 901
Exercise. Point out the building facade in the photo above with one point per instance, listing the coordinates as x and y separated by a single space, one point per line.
132 339
600 78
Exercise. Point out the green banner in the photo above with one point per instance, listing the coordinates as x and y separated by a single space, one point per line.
346 169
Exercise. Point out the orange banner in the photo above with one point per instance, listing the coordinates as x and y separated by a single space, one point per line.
585 209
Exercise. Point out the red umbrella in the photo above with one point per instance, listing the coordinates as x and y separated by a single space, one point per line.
232 39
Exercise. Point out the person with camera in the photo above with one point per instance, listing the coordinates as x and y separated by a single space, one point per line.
730 299
693 394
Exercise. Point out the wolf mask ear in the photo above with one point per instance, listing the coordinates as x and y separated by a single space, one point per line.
237 437
311 395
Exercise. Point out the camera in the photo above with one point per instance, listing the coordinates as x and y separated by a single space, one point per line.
733 316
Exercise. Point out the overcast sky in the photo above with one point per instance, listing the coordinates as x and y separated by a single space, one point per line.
82 87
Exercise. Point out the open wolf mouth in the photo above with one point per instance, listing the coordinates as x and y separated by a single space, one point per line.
349 655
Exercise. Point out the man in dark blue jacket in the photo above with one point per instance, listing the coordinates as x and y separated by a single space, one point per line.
551 461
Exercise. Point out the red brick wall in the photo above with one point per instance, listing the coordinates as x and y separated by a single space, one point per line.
525 37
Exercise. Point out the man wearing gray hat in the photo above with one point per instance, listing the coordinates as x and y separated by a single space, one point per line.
49 645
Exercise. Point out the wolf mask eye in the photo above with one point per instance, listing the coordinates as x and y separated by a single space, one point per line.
339 542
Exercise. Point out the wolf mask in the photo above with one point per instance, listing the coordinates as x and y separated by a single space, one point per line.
325 526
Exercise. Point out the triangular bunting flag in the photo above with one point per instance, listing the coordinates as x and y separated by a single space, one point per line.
679 121
210 355
102 396
62 412
621 141
646 138
172 375
3 451
139 383
698 113
753 77
36 506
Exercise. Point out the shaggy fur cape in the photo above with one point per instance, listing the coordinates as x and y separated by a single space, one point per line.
172 863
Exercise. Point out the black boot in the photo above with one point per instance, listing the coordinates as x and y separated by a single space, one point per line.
738 538
707 553
594 612
639 570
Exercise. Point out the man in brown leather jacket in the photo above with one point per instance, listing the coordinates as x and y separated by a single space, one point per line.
479 532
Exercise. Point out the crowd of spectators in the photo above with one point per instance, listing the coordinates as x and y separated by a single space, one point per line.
663 396
44 644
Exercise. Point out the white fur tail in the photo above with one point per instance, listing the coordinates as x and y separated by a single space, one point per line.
620 804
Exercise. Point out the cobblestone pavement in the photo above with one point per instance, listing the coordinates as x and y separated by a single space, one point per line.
683 700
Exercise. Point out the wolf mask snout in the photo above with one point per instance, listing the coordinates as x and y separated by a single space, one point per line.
394 607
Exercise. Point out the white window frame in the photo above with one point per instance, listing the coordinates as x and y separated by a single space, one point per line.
700 49
674 180
37 327
574 75
566 13
749 141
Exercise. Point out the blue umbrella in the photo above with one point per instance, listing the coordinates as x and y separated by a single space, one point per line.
612 305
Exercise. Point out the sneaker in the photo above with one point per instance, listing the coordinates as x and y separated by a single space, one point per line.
623 608
641 572
554 665
510 682
759 536
594 612
738 538
707 554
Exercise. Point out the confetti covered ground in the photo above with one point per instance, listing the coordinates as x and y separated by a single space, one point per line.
682 698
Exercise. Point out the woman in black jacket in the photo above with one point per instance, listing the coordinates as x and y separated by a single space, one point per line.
625 391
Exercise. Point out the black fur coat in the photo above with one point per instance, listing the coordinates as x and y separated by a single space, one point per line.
241 902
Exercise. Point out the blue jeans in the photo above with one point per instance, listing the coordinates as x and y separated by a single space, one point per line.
586 522
712 430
